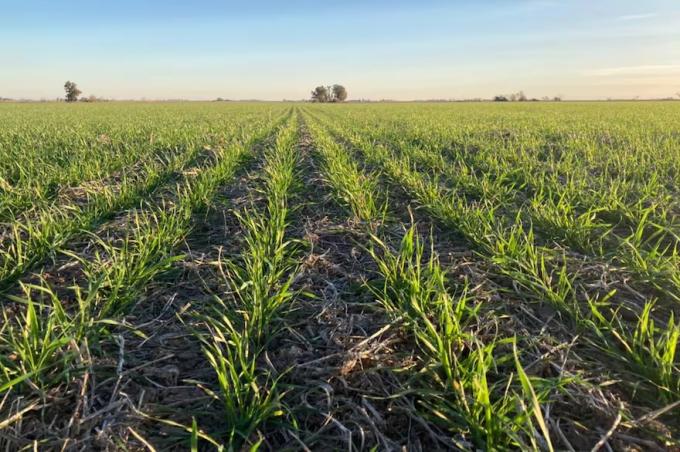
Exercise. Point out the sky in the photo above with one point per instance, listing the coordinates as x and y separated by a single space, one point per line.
380 49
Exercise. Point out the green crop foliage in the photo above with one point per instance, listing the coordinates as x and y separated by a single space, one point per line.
541 201
489 277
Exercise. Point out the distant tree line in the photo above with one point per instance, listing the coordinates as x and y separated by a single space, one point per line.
521 97
325 94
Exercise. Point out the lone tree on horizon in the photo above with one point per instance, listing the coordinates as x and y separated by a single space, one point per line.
325 94
72 91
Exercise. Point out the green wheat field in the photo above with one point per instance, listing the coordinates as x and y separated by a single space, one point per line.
292 276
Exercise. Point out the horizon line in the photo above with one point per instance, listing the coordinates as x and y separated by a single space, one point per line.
350 101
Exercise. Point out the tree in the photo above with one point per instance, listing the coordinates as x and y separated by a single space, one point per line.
72 91
514 97
321 94
334 93
339 93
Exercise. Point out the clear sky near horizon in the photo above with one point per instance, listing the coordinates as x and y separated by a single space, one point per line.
396 49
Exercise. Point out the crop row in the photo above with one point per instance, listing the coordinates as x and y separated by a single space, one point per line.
239 324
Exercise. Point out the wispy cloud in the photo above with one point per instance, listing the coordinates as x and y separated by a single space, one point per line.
642 70
634 17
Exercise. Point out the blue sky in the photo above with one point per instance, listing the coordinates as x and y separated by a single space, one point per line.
378 49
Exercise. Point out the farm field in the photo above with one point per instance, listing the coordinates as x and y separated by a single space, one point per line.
427 276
